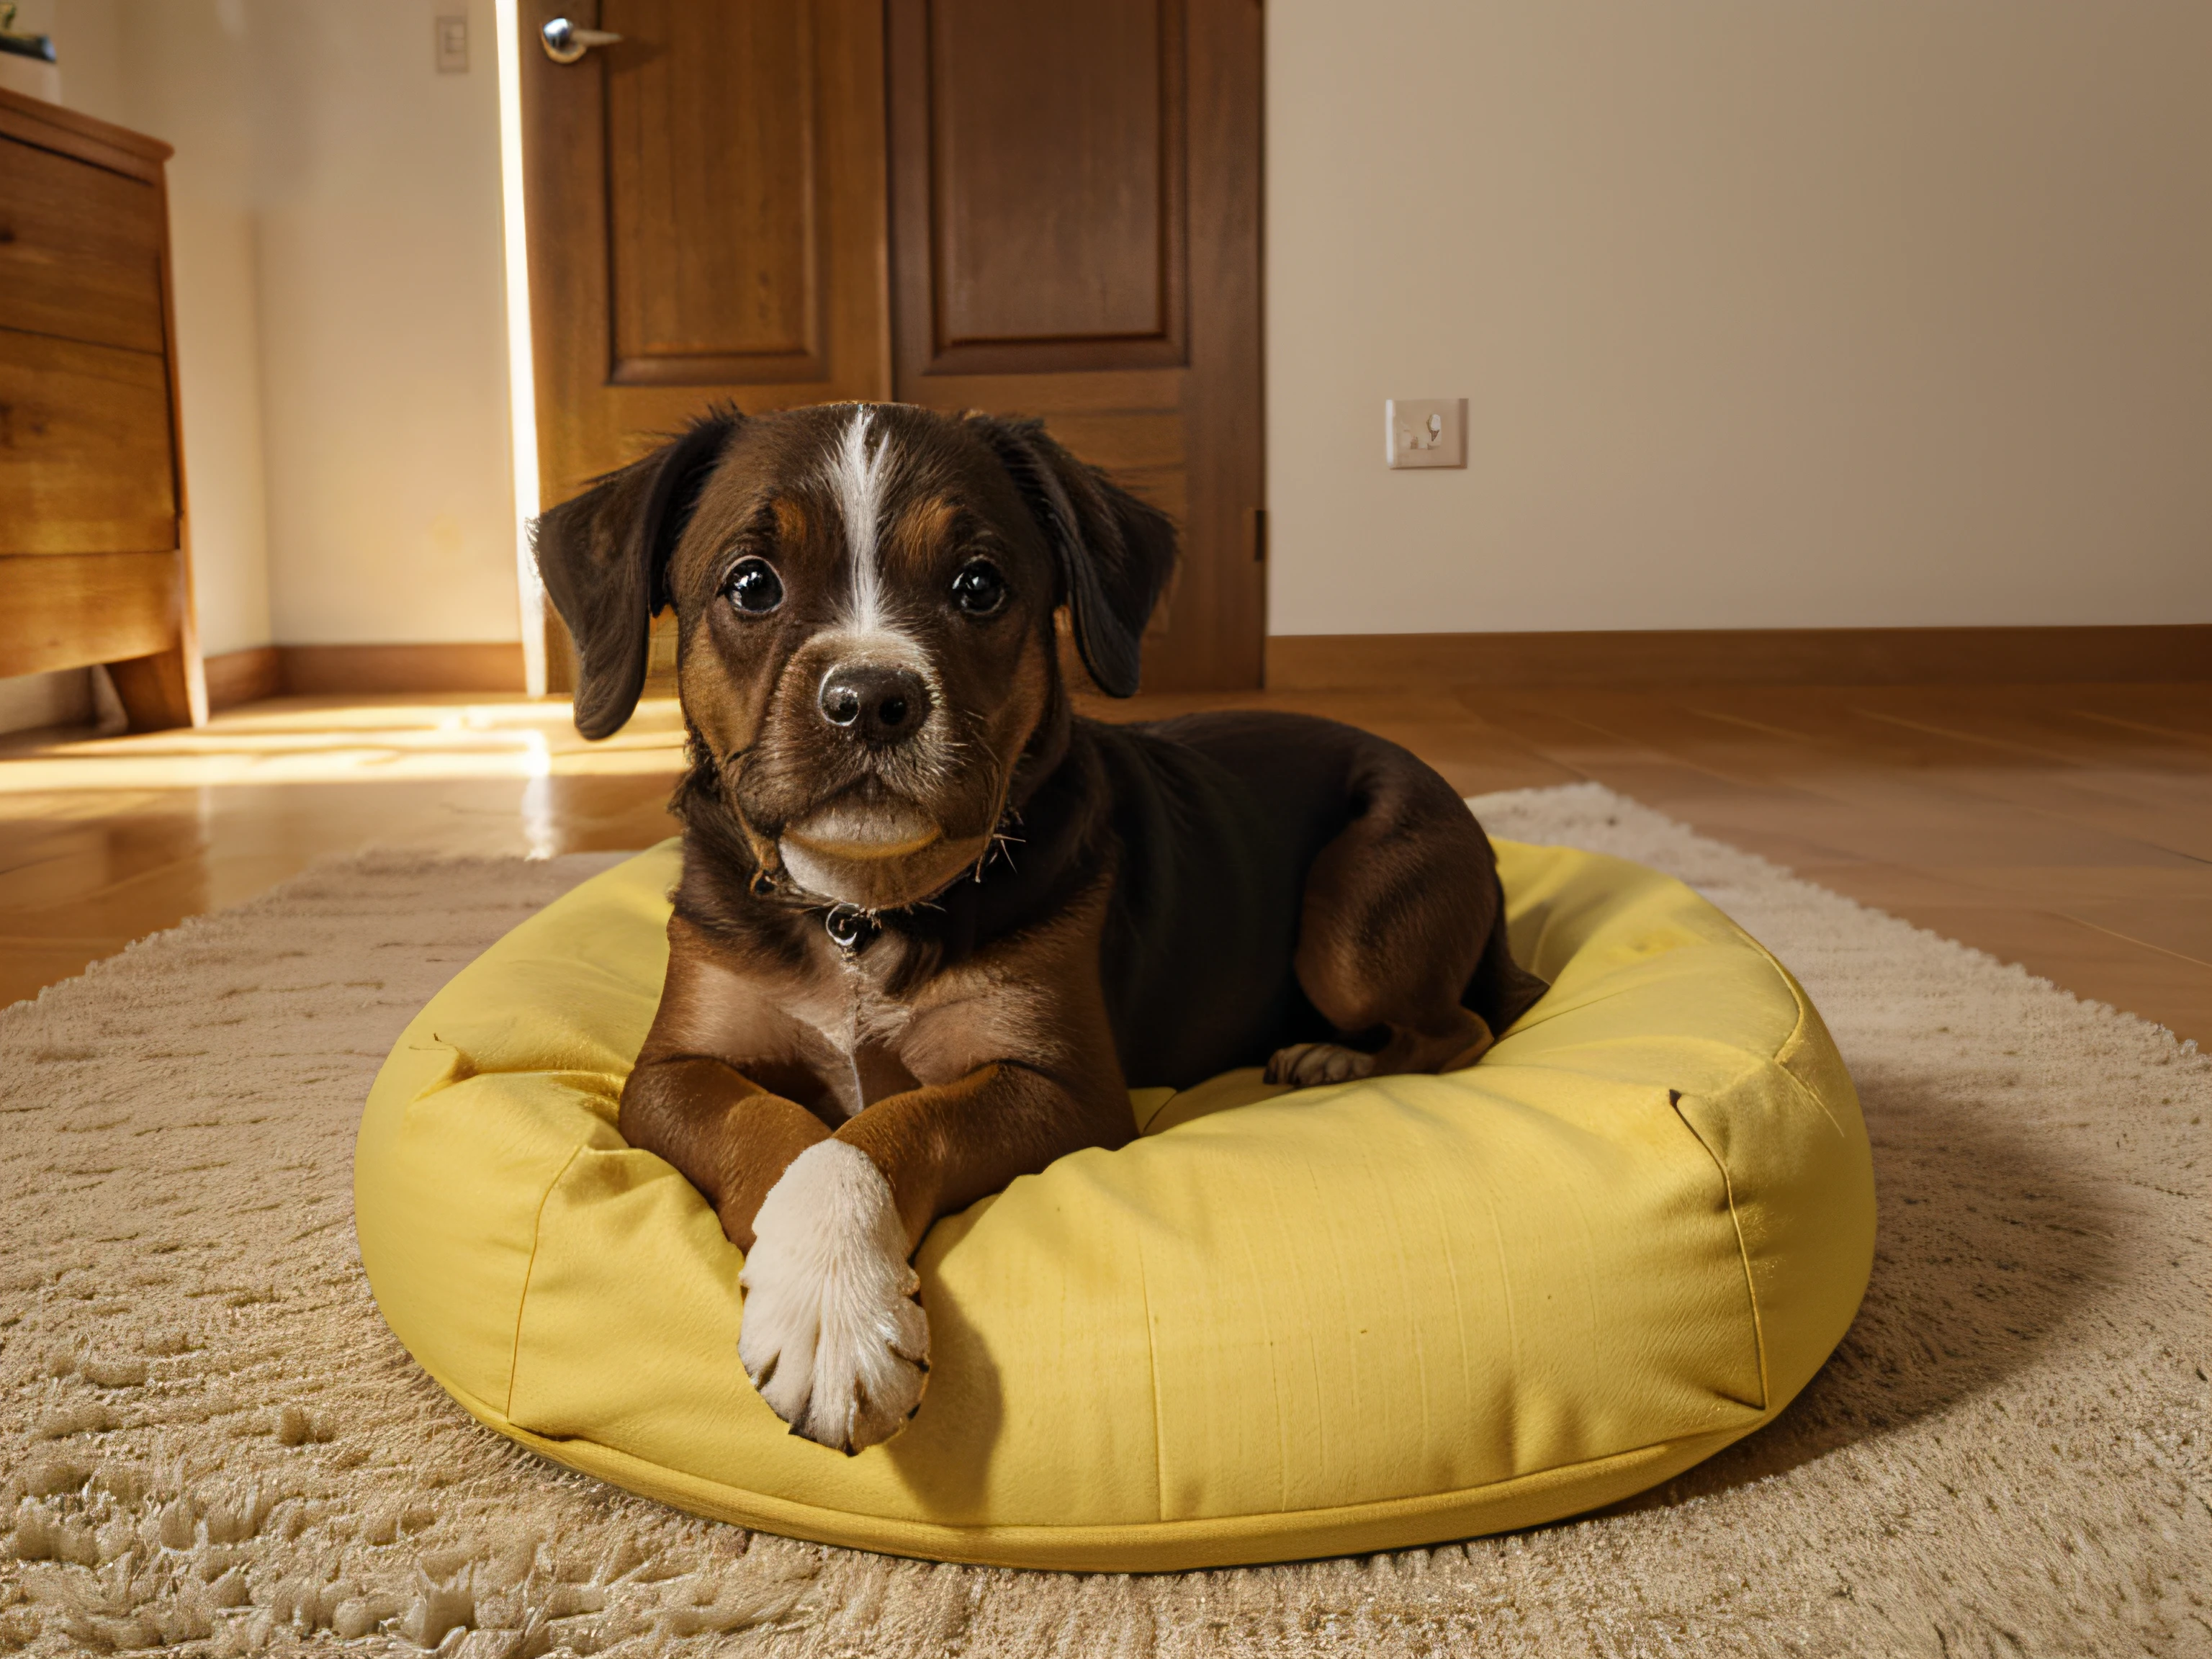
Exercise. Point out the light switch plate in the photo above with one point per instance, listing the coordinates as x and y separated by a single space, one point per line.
1424 431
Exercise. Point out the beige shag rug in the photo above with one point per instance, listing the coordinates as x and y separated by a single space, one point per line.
208 1439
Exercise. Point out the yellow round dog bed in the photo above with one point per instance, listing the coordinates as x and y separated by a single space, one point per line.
1353 1318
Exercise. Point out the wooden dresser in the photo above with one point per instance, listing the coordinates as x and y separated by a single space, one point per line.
95 563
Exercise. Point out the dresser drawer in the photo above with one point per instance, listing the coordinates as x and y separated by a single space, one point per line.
80 250
85 463
64 610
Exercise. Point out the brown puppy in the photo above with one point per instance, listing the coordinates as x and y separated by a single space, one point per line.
931 927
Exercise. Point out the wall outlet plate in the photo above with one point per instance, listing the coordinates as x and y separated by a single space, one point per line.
1424 431
452 39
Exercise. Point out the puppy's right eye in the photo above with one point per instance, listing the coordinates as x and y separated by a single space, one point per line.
755 588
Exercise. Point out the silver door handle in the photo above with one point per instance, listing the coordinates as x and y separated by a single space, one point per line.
565 43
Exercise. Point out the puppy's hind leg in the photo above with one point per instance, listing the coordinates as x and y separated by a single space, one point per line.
1403 931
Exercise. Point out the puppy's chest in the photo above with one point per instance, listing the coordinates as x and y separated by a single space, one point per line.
862 1029
872 1043
850 1009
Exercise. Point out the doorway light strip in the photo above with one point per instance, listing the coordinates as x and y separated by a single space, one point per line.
521 381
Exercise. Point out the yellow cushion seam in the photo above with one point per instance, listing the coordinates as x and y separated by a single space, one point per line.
1152 1368
1789 1044
1742 1250
536 1232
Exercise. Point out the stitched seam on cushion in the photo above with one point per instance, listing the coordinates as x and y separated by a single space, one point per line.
1791 1044
445 1080
1152 1367
1797 998
1742 1250
529 1272
553 1446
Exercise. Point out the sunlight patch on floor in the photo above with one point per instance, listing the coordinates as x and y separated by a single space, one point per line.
303 740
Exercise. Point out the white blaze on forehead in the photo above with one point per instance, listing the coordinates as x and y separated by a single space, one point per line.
857 476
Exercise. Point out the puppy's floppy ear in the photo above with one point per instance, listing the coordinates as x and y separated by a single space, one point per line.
604 557
1115 553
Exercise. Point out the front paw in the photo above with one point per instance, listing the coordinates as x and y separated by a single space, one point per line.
831 1333
1309 1065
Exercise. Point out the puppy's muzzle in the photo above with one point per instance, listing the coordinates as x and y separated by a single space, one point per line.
880 707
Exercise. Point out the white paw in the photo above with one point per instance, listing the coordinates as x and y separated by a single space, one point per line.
831 1333
1309 1064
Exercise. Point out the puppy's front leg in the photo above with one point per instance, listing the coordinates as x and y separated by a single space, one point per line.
831 1335
829 1291
726 1134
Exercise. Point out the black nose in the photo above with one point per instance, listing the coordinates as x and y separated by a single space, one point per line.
880 706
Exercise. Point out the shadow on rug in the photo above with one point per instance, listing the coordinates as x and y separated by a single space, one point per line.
210 1441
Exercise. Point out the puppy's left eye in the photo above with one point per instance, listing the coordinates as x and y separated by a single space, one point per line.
979 589
754 587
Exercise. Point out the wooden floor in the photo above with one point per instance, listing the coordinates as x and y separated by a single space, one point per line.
2067 828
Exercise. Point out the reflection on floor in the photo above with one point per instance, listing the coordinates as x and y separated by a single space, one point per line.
2068 828
104 840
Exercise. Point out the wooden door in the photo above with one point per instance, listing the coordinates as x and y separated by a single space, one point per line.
705 203
1075 193
1069 229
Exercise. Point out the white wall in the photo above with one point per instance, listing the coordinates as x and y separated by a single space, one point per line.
382 327
1805 314
189 83
341 306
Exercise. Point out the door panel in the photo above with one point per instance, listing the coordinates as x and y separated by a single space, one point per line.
1075 235
717 201
707 222
1055 196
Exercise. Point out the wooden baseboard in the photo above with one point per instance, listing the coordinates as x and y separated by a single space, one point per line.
338 670
247 676
1773 656
268 671
1332 662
